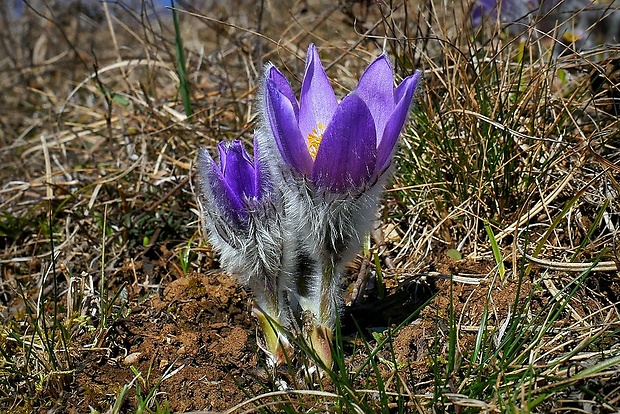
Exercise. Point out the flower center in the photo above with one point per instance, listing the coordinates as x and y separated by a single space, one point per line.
314 140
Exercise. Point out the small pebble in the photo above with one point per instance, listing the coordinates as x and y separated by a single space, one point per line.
132 358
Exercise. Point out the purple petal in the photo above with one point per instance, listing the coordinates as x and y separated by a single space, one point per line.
238 170
482 10
404 94
317 102
509 10
488 5
513 11
347 154
376 88
476 16
291 143
260 186
411 81
284 87
215 187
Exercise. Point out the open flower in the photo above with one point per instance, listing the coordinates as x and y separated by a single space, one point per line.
332 159
338 146
508 11
570 25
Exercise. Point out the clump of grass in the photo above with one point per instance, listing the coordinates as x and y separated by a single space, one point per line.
36 346
484 135
497 141
523 362
149 403
78 195
366 376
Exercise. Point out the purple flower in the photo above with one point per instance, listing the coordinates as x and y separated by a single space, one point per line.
234 185
509 11
338 146
243 219
572 25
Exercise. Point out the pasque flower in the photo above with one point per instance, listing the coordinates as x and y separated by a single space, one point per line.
332 159
338 146
509 11
289 219
235 184
242 215
573 25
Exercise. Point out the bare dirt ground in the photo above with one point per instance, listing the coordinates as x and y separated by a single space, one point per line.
200 324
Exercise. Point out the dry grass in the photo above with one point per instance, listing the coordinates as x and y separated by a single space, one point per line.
97 204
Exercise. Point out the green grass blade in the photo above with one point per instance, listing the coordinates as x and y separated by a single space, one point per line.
497 254
181 65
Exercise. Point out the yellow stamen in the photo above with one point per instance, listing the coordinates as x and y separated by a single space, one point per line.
314 140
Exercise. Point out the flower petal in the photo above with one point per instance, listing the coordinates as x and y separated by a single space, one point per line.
317 102
403 94
347 155
510 11
376 88
238 169
283 85
482 9
411 81
216 190
283 121
260 177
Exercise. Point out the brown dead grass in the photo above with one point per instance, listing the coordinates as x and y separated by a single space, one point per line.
96 178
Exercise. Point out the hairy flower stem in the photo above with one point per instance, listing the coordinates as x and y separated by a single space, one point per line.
328 297
320 336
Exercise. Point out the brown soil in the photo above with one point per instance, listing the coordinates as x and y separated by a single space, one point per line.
200 328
